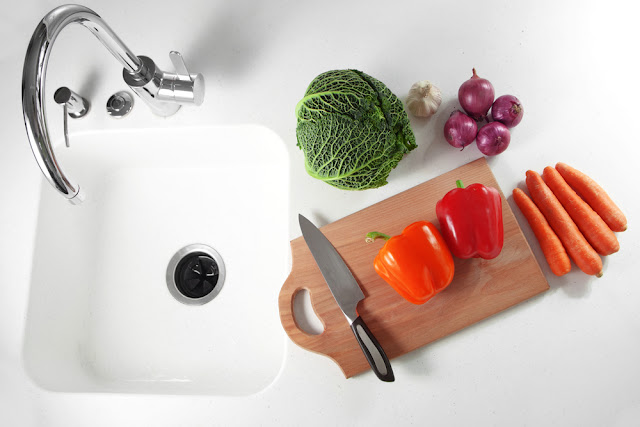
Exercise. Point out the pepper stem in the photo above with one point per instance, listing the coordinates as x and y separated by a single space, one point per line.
376 235
459 184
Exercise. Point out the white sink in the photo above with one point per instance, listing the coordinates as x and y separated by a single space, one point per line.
101 317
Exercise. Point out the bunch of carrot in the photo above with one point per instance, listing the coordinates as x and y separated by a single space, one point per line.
567 224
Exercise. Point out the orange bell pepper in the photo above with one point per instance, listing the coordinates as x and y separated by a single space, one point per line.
416 263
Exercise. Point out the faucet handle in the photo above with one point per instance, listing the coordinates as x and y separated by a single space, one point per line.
73 105
178 63
77 106
181 87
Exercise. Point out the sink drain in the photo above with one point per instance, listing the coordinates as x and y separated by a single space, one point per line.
195 274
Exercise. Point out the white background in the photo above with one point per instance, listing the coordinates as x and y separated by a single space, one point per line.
568 357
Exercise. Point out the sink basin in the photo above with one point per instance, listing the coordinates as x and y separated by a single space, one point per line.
101 317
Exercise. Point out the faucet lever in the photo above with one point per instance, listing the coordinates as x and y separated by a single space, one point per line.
178 63
76 105
181 87
73 105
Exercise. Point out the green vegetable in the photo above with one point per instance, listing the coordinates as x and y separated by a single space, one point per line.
352 130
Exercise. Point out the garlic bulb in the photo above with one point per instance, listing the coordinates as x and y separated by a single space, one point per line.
424 99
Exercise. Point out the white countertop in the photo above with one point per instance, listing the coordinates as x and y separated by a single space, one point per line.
567 357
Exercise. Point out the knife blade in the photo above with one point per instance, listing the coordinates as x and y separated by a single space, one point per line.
347 293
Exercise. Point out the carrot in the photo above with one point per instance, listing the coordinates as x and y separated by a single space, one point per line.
595 196
573 241
593 228
552 248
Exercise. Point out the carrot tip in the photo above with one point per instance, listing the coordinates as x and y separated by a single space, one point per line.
599 274
625 228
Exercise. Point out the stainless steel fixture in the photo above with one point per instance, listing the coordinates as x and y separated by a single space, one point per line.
73 106
76 105
119 104
195 274
163 92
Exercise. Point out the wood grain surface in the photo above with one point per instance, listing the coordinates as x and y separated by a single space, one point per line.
479 289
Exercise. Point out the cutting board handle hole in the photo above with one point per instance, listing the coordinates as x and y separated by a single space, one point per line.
304 315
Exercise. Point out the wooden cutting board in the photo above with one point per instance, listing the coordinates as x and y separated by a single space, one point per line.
479 289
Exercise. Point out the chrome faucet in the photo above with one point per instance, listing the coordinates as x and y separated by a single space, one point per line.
163 92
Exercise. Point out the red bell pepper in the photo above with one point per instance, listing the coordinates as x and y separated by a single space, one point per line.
471 221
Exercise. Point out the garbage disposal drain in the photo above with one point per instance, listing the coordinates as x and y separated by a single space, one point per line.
195 274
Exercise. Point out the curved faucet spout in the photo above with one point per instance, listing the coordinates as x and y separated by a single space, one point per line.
33 84
163 92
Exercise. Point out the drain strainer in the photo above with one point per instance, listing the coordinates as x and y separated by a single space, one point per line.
195 274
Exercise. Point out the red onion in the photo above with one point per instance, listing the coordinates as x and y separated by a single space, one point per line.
507 110
476 96
460 130
493 138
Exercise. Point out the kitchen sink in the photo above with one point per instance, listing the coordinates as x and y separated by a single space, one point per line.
101 316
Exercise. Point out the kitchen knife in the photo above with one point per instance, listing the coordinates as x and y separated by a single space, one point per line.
347 293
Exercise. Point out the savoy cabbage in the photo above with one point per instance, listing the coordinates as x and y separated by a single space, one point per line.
352 130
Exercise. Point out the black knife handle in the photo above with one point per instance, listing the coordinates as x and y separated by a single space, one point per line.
372 350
